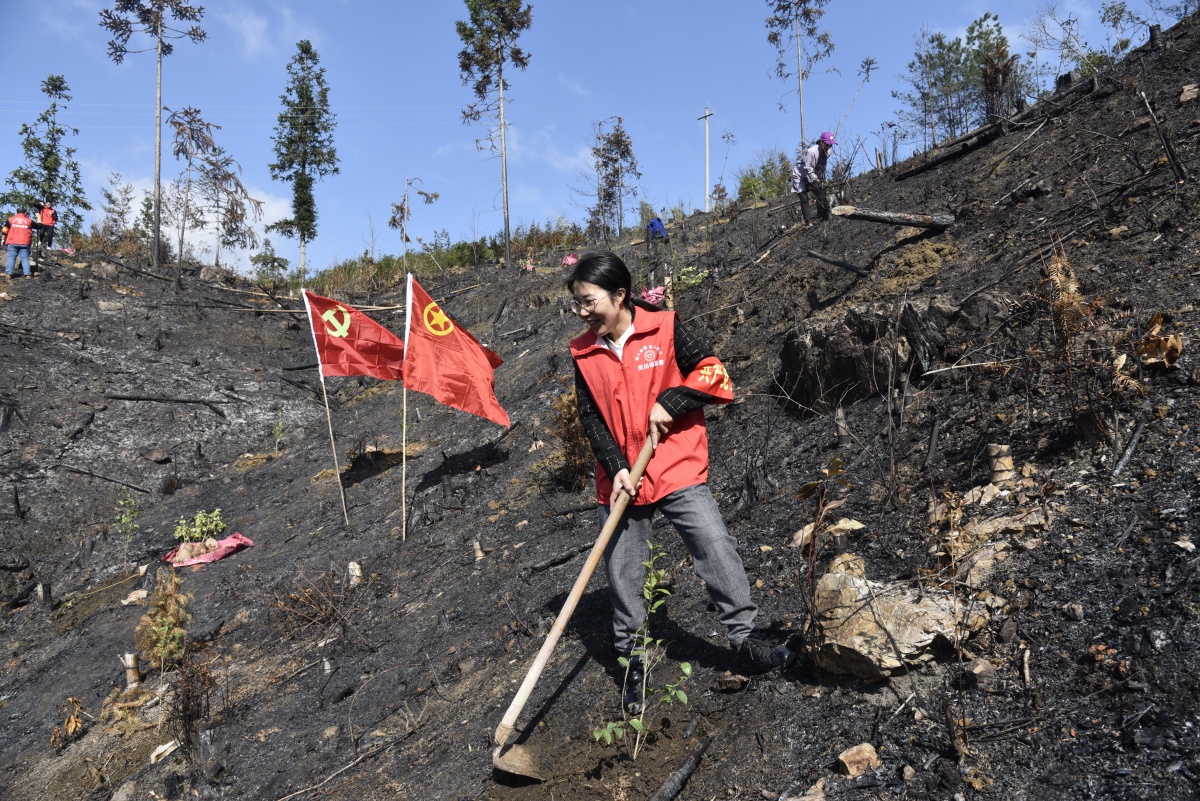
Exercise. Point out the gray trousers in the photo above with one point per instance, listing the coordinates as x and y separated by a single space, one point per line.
694 514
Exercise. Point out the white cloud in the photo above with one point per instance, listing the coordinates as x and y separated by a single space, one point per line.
253 30
266 34
539 146
574 87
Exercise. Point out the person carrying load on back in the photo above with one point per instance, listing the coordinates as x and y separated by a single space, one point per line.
809 175
20 237
640 374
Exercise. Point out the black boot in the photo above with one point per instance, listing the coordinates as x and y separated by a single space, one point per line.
758 654
634 677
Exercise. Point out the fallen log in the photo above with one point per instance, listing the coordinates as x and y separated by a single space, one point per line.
854 268
933 221
985 135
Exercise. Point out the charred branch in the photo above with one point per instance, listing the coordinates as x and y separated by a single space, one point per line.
845 265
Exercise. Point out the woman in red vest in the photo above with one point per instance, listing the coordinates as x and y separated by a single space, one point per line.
47 219
639 373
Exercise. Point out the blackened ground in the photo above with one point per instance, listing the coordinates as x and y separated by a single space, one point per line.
393 688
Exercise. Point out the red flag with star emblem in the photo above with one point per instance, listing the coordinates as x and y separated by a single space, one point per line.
349 342
443 360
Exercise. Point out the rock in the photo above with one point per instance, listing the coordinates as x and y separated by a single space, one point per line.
858 760
870 629
105 270
976 567
156 455
1008 631
110 305
125 792
849 564
814 793
980 673
731 682
1073 611
1190 92
1139 124
210 272
908 772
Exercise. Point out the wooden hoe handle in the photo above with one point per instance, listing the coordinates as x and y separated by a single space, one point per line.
560 623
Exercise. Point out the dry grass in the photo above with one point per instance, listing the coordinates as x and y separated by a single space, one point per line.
161 631
576 451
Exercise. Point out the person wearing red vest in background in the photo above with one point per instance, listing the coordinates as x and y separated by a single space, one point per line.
47 218
640 374
20 237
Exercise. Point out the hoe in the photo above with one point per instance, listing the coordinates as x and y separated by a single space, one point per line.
517 758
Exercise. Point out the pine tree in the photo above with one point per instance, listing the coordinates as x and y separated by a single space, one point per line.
50 173
616 175
489 36
304 147
116 204
798 21
150 17
269 267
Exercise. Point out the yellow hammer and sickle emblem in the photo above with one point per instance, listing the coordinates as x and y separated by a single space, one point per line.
334 326
436 321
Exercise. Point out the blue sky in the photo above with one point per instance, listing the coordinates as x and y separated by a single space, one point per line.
395 87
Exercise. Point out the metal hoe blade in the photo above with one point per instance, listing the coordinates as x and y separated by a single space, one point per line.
518 760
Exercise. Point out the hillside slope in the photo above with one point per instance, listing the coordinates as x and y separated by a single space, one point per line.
1017 325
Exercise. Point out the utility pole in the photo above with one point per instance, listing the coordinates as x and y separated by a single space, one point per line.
800 77
707 185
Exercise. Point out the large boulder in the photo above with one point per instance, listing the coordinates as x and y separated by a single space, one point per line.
871 629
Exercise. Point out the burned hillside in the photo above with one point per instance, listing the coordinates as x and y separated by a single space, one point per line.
992 629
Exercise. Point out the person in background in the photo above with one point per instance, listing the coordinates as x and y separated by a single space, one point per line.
18 240
47 218
809 176
640 374
657 230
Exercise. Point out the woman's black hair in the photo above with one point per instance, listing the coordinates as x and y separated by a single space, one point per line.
606 270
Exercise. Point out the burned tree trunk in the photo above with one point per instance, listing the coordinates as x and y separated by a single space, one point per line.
933 221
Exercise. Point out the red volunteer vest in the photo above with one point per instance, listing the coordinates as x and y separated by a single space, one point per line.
625 389
20 231
46 216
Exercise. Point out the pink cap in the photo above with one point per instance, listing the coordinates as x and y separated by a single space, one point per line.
827 138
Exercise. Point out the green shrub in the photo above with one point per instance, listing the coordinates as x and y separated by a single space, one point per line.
769 175
203 526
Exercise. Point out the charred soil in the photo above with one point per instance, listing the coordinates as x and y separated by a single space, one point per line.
1045 319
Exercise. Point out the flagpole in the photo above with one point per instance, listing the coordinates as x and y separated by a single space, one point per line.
404 423
404 471
337 471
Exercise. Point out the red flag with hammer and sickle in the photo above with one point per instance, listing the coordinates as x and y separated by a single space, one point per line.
351 343
443 360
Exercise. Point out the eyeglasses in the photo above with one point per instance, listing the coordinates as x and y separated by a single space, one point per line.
586 305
